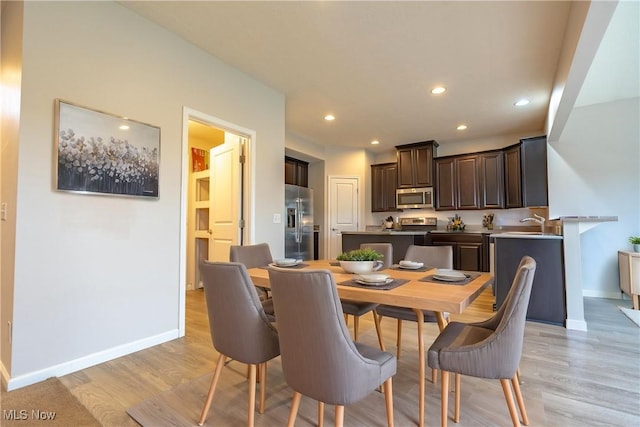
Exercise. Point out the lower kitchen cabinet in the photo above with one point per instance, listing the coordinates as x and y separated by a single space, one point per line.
470 250
547 302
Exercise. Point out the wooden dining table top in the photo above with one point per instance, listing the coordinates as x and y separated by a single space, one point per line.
415 294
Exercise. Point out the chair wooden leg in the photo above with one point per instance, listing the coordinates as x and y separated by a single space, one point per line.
356 322
252 395
434 376
262 370
399 338
212 389
516 389
339 416
293 413
320 413
388 400
444 397
376 322
508 396
456 407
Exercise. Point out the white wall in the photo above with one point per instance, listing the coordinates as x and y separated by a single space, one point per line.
593 170
95 276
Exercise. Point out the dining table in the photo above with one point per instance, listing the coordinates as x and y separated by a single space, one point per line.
416 289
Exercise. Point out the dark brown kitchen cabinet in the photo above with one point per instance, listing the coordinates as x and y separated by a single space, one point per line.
492 180
457 182
470 250
526 173
415 164
296 172
384 177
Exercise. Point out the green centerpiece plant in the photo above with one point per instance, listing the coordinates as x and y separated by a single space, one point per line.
635 241
366 254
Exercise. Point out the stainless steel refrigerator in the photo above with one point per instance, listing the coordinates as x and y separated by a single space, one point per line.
298 232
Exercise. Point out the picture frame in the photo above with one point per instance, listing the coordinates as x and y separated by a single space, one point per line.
101 153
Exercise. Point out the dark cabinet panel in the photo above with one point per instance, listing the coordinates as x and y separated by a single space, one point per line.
492 180
296 172
445 184
383 187
467 182
415 164
534 171
547 301
457 182
470 250
526 173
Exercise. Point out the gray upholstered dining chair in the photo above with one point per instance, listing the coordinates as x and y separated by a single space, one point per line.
258 255
319 359
240 329
360 308
489 349
433 256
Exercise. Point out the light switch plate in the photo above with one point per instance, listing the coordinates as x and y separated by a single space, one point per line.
277 218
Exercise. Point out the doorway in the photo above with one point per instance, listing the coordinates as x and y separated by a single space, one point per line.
217 194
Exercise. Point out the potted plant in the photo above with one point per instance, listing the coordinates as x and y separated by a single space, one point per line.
635 241
360 260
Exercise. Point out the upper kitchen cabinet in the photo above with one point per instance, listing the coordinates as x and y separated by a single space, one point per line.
296 172
457 182
492 180
415 164
384 178
526 173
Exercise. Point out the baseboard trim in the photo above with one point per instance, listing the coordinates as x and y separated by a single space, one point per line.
86 361
594 293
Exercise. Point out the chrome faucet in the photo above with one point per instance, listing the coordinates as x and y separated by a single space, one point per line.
539 219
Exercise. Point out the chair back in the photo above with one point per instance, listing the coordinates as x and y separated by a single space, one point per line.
433 256
319 359
239 327
251 256
386 249
511 317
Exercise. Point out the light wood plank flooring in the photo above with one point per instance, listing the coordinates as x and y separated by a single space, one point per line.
570 378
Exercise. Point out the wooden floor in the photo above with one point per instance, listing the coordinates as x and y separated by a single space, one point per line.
571 378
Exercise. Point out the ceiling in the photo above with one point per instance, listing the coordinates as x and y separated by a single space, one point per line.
373 64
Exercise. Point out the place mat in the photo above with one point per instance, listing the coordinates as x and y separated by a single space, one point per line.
431 279
335 263
388 286
423 268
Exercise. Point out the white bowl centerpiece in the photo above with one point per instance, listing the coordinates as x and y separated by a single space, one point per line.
360 261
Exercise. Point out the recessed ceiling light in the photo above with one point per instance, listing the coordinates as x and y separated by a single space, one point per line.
438 90
375 142
462 127
521 102
329 117
124 127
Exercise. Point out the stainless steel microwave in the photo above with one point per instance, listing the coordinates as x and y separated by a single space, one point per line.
414 198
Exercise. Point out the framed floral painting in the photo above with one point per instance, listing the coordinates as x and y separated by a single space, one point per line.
101 153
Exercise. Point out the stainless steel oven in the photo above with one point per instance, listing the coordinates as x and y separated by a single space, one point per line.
414 198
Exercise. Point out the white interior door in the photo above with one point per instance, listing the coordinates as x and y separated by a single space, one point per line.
224 209
343 210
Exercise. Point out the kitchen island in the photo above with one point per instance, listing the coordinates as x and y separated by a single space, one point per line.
547 301
401 240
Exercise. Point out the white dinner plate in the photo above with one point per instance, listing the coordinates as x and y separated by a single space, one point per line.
364 282
285 264
410 265
449 279
372 278
442 273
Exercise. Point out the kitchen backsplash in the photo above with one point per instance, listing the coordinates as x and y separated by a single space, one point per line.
501 217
